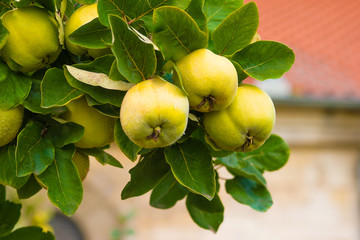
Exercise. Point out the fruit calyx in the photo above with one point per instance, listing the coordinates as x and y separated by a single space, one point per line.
248 143
155 134
209 99
46 60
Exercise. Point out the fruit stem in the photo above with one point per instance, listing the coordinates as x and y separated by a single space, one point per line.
155 134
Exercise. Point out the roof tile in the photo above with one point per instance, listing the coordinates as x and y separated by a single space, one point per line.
325 36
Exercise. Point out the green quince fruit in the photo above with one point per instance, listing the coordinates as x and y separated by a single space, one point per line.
33 41
245 125
10 123
154 113
99 129
80 17
209 80
82 163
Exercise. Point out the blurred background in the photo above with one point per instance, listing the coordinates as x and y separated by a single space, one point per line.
316 195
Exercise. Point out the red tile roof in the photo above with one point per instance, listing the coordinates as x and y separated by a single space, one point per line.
325 36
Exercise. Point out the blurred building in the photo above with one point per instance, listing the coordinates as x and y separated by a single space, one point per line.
316 195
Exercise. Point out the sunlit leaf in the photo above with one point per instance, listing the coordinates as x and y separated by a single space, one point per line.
217 10
237 30
176 33
265 59
98 79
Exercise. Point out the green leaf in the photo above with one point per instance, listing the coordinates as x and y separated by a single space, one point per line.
106 109
34 151
14 87
207 214
102 95
167 192
200 135
4 34
176 33
9 215
2 193
29 233
191 164
240 72
136 59
265 59
147 173
102 156
195 10
133 9
4 69
92 35
55 90
50 5
271 156
30 188
217 10
129 148
5 6
62 134
21 3
114 73
239 167
8 168
63 181
250 193
237 30
33 101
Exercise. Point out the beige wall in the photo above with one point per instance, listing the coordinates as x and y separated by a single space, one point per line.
315 195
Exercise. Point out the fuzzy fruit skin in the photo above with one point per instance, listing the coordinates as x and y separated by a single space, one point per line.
250 116
10 123
206 74
99 129
82 164
154 106
33 40
80 17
